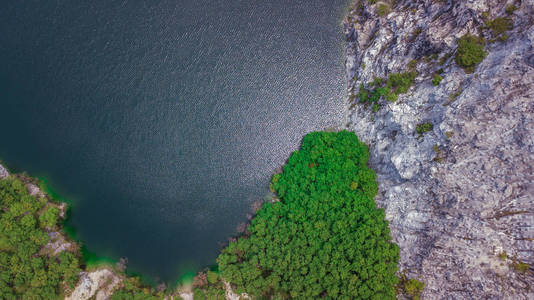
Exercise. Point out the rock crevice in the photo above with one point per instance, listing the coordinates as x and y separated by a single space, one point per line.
461 195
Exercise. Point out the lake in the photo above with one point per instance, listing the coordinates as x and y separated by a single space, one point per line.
162 122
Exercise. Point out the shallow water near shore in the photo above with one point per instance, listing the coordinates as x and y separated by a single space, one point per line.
161 123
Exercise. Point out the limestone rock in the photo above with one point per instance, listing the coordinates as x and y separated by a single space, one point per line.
34 190
461 195
3 172
98 284
230 295
57 244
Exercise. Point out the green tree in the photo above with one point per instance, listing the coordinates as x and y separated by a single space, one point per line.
325 238
24 272
49 217
132 289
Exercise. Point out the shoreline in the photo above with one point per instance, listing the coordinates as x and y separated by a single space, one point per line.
100 277
104 269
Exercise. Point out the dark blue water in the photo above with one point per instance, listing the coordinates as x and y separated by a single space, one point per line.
163 120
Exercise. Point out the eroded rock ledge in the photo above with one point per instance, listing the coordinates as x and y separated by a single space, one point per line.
460 198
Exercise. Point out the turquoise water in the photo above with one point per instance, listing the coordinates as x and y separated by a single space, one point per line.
162 121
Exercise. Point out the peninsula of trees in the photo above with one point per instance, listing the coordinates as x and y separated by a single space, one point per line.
325 237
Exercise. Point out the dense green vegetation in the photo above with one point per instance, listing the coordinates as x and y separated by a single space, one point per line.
27 269
325 238
389 89
499 25
470 52
208 286
133 289
25 272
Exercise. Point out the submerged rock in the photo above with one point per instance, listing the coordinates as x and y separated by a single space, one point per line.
459 198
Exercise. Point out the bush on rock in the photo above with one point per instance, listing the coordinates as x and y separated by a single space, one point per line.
470 52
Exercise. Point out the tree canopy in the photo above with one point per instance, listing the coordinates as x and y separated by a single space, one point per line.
133 289
29 272
25 273
325 238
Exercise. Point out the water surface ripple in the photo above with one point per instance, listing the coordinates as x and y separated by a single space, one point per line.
164 120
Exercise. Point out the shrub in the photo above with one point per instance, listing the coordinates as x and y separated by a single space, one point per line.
363 94
499 25
376 107
396 83
424 127
209 293
382 9
212 277
520 266
377 82
400 82
454 96
470 52
439 156
133 289
49 217
412 64
325 238
414 288
207 285
437 79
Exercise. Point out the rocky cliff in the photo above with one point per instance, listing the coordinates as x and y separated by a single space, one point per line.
460 196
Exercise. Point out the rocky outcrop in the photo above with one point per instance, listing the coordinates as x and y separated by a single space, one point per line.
230 295
3 172
459 198
99 284
34 190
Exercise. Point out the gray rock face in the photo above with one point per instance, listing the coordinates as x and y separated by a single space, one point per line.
98 284
34 190
462 195
3 172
